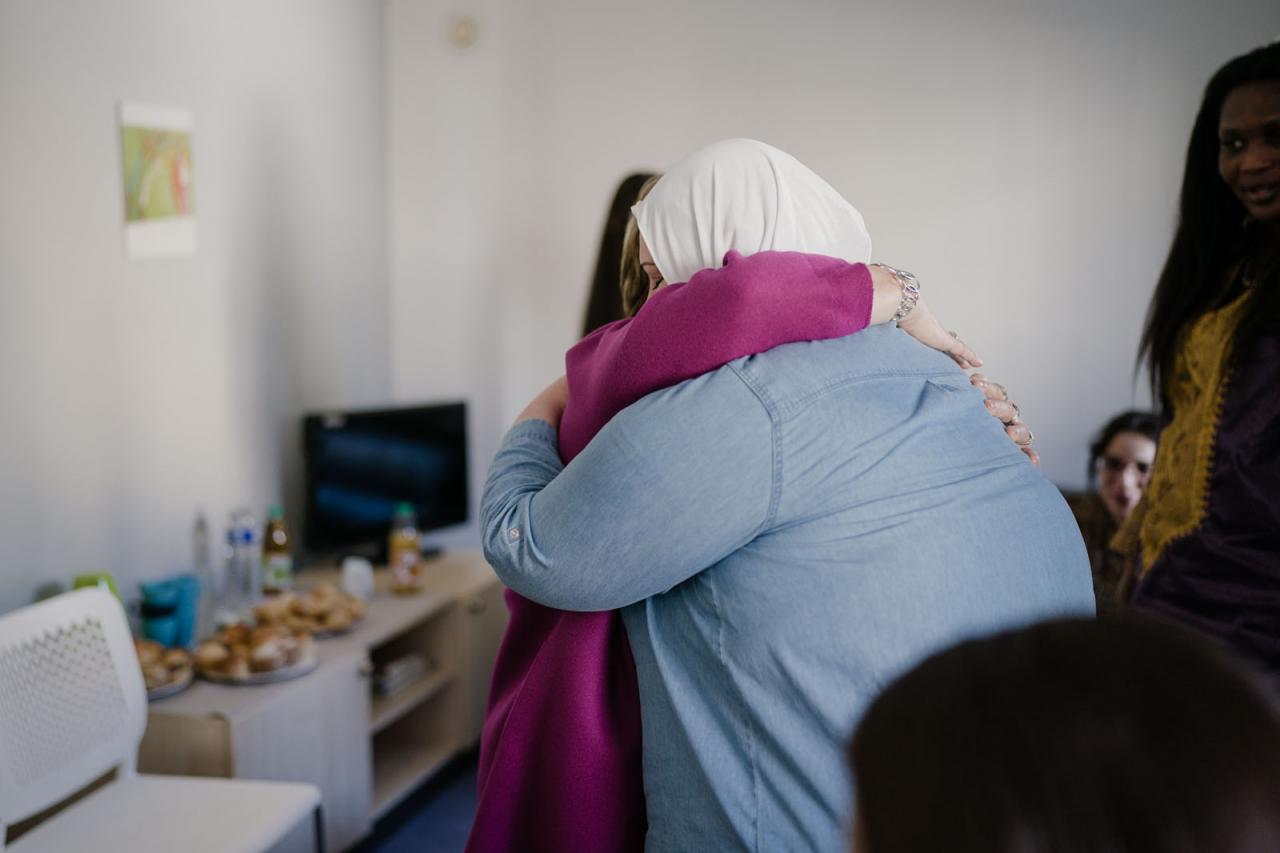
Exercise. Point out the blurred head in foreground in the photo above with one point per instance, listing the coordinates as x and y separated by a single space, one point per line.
1073 736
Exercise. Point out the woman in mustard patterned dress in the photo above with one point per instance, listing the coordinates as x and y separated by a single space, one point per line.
1205 541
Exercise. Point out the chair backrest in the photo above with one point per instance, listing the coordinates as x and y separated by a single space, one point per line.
72 702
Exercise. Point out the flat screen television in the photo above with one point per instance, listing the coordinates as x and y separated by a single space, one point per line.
360 464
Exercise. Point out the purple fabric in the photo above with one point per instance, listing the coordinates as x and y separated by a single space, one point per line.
560 750
747 306
1223 578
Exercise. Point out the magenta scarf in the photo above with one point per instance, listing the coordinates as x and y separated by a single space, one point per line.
560 750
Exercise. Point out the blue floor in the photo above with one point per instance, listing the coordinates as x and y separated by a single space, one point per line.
437 818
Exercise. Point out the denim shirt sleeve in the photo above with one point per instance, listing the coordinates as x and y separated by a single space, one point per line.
667 488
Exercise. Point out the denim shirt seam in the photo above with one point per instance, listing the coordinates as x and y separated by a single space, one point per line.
775 497
791 406
770 407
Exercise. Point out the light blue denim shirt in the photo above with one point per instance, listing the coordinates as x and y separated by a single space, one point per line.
786 534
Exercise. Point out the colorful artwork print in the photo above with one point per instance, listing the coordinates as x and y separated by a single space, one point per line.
158 181
157 173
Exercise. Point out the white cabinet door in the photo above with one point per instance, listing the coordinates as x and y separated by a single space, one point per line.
317 733
485 615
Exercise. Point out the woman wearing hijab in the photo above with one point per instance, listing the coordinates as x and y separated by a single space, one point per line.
784 532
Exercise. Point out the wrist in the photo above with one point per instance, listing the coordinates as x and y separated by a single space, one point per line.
886 295
541 410
908 291
546 416
548 405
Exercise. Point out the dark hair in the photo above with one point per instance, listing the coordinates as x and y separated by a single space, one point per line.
1212 234
1123 736
604 302
1143 423
634 281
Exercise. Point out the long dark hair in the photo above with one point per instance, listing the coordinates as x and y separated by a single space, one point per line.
1212 234
1143 423
1124 736
604 302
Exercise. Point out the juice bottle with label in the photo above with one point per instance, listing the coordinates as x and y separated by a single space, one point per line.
277 560
404 549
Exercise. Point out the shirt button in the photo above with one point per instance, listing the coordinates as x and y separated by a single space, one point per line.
513 534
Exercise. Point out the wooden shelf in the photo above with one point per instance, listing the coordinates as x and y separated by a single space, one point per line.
385 710
399 768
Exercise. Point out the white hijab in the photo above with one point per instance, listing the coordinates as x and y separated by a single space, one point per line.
744 195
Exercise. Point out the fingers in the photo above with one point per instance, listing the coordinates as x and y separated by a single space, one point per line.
1000 406
1020 434
993 390
962 354
1005 410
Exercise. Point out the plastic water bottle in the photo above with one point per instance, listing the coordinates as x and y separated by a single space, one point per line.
212 577
243 558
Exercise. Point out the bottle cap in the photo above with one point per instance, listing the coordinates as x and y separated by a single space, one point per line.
275 511
404 508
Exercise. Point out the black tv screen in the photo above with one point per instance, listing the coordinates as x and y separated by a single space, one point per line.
360 464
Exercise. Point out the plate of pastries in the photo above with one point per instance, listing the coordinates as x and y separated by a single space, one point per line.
255 654
324 610
165 671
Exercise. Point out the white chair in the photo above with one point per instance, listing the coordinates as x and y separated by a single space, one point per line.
72 707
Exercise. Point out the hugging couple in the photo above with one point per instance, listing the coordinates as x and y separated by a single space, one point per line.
738 516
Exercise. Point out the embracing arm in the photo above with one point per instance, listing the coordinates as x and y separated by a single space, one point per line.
749 305
669 487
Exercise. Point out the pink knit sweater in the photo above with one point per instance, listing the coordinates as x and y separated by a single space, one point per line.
560 751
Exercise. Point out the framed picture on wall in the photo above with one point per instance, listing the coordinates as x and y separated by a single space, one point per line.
159 198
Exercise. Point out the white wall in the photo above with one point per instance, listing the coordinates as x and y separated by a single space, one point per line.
133 392
383 215
1022 156
452 276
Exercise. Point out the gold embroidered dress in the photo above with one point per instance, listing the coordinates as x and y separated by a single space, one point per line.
1207 533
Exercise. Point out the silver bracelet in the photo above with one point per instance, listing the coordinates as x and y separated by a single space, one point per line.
910 291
